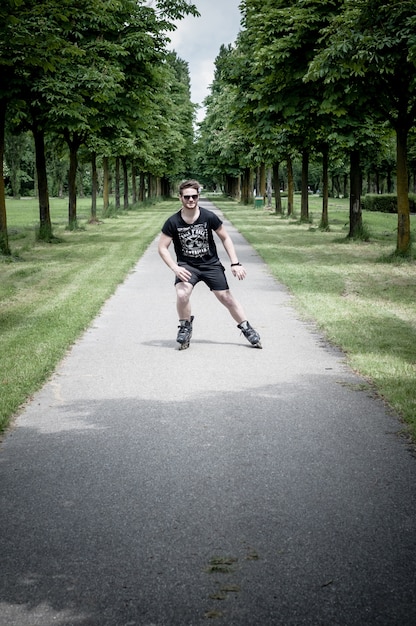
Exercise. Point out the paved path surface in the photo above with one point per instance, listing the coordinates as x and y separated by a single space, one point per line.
144 486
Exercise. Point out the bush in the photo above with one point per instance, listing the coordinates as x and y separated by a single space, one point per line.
385 203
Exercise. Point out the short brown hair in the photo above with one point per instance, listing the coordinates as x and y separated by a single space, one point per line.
189 183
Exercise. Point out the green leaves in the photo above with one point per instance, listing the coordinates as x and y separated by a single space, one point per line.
96 66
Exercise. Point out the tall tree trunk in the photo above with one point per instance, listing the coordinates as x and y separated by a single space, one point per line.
35 182
94 188
45 225
256 176
74 141
325 190
356 221
262 191
276 186
403 209
246 186
304 206
227 184
153 186
269 187
345 187
290 186
142 187
336 187
238 188
125 183
368 182
133 183
4 237
166 188
72 187
117 189
389 182
232 186
106 185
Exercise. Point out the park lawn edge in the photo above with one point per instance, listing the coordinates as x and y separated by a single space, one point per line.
363 300
51 293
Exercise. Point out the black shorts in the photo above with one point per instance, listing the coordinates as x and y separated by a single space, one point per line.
213 275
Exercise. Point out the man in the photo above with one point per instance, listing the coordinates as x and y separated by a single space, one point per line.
191 230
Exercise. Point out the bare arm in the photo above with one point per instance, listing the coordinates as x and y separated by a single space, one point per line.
163 249
238 270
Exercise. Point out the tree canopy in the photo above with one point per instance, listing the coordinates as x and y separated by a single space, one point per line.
311 77
327 81
96 73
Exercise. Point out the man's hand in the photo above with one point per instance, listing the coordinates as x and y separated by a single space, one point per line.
182 273
239 272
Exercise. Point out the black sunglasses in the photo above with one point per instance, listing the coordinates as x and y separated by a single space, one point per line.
193 197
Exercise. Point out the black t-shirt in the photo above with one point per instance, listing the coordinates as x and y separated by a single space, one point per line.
194 243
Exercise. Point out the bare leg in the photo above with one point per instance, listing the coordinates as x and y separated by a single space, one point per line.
183 304
227 299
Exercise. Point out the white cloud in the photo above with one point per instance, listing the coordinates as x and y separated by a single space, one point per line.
198 40
202 78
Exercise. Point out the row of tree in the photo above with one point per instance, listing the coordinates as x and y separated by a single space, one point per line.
307 79
316 77
20 173
96 74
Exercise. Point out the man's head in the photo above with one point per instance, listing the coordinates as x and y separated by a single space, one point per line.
187 184
189 193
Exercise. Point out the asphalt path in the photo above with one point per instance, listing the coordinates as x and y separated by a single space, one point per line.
147 486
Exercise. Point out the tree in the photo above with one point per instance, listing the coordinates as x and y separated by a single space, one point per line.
178 114
32 45
74 67
368 65
4 239
224 144
280 39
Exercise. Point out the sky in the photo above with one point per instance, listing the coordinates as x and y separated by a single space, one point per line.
197 41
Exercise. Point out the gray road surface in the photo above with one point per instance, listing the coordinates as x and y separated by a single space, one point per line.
144 486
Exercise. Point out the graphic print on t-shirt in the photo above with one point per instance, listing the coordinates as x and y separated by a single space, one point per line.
194 240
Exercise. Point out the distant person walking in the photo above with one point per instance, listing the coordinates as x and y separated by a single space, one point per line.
191 230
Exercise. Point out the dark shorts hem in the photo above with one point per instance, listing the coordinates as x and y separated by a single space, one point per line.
213 275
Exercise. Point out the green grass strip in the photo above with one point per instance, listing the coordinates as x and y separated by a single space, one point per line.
360 296
50 293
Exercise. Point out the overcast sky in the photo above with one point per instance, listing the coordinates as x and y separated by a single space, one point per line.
197 40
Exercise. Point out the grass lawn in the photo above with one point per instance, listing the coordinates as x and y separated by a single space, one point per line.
49 293
361 299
